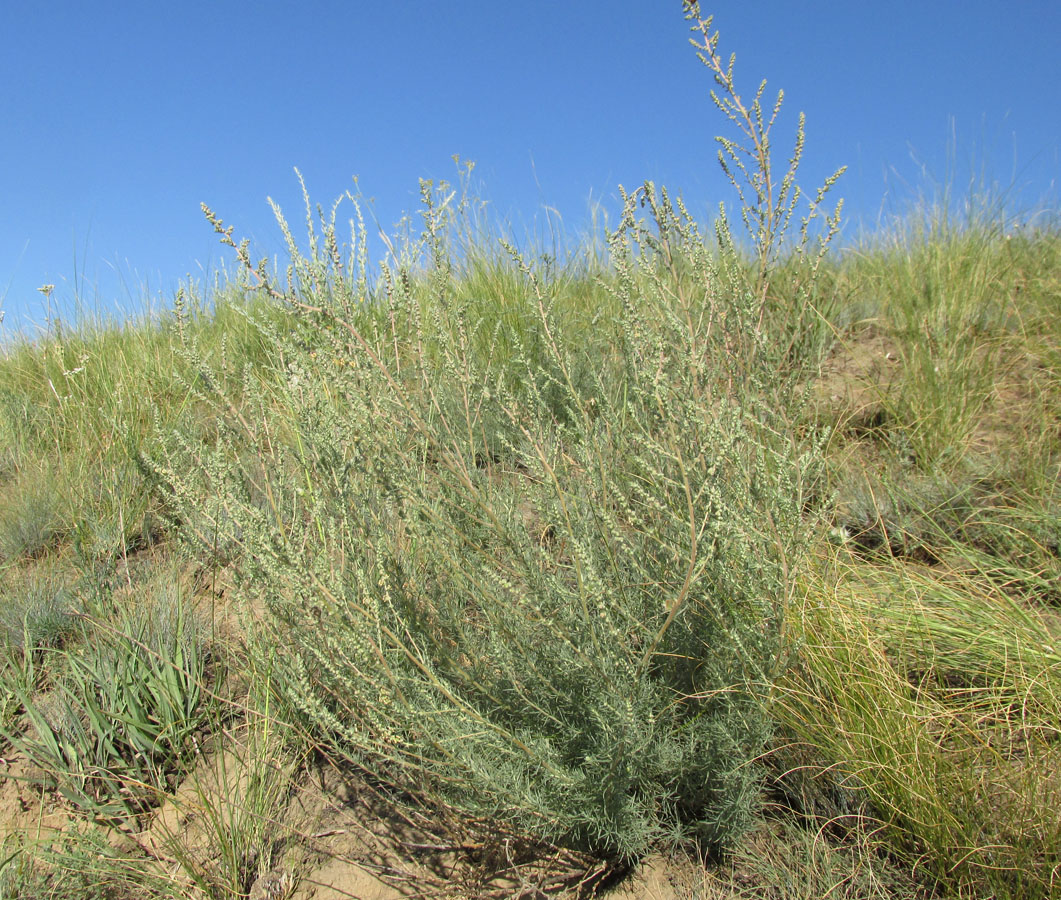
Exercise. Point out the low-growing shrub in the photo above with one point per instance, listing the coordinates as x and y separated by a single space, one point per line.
563 609
548 586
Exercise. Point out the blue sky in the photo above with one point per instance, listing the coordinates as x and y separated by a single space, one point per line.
119 118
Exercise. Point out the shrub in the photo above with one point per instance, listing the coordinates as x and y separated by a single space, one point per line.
549 587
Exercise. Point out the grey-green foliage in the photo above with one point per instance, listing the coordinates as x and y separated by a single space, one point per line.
31 516
562 607
36 611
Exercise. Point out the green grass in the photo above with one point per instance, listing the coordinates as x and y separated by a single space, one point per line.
120 716
936 696
740 551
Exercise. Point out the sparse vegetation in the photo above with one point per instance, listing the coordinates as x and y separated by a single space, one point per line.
522 570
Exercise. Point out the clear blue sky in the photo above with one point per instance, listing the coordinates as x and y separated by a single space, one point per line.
118 118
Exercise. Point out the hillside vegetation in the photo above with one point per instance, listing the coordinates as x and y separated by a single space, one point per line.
479 572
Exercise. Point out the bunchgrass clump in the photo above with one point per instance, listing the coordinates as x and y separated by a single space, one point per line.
38 608
937 702
121 717
236 800
31 515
